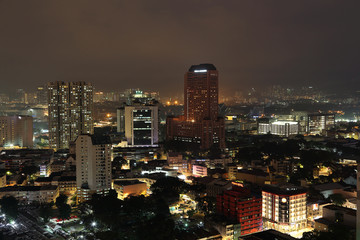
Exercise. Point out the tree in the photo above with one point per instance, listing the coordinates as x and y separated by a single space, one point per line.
61 200
338 199
9 206
169 188
64 209
45 211
30 170
159 227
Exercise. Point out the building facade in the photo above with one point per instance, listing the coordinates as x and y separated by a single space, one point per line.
93 165
279 128
127 188
16 131
318 123
141 125
30 194
284 207
70 107
200 123
240 205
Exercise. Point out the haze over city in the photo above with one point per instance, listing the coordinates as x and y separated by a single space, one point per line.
150 44
179 120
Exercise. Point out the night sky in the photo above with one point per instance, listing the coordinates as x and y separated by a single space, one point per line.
150 44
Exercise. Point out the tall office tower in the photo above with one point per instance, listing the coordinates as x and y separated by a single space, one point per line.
93 165
70 112
201 90
201 122
284 207
16 131
141 125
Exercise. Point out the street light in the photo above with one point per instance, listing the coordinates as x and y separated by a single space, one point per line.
93 224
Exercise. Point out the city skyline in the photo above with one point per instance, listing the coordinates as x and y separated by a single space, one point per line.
302 43
177 120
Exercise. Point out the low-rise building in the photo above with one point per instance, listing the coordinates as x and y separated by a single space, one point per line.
126 188
259 177
229 229
58 166
314 210
66 184
30 194
200 171
335 214
231 169
2 181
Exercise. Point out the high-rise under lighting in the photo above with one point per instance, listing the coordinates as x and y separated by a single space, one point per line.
70 112
200 123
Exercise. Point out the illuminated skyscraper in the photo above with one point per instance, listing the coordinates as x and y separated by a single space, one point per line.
70 112
200 123
201 93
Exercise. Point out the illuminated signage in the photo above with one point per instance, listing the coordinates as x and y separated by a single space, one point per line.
200 71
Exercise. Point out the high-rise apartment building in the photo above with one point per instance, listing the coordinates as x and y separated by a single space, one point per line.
70 112
200 123
284 207
16 131
93 165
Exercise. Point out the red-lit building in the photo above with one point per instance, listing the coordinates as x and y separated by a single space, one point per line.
240 205
200 123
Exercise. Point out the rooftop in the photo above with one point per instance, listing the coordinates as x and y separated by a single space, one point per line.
27 188
127 182
348 211
99 140
284 189
202 66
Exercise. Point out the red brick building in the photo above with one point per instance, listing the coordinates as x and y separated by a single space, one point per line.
240 205
200 123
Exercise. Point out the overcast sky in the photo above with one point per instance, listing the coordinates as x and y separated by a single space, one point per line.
150 44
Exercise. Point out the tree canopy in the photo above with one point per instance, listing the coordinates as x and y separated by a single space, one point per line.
9 206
